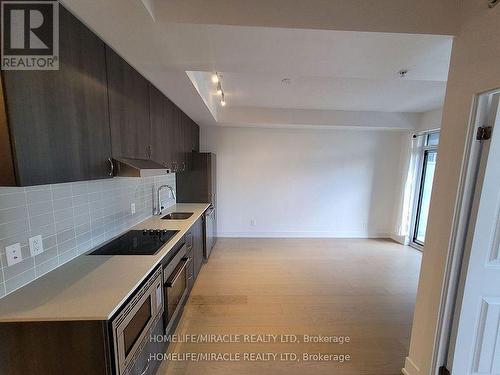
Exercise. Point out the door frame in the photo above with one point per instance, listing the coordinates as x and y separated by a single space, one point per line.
463 213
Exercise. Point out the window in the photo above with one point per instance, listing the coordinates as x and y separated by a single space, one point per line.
424 187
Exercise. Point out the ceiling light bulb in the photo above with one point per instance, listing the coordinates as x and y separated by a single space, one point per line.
223 100
219 89
215 78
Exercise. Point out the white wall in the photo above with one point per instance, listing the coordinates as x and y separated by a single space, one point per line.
300 182
430 120
474 68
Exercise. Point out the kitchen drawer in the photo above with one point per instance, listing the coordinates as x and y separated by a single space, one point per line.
190 269
189 241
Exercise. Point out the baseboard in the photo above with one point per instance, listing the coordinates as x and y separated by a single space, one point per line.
410 367
403 240
353 234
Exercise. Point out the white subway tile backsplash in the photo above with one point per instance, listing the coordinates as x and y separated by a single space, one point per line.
64 214
18 268
65 235
80 200
41 220
46 230
20 280
12 200
65 224
13 227
48 254
45 267
82 228
64 203
72 218
61 191
80 189
68 255
49 241
37 196
36 209
13 214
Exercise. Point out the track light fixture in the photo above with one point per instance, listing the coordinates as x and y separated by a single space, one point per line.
216 78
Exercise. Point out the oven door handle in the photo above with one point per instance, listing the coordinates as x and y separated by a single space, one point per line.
173 278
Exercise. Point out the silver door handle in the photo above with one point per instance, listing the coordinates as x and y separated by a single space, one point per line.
173 278
112 167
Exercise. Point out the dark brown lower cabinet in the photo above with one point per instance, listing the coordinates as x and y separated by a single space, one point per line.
197 246
194 244
86 347
55 348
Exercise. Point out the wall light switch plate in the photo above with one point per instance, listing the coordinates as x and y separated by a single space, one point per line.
36 245
132 208
13 253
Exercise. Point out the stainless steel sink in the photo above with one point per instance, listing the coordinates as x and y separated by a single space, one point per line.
177 216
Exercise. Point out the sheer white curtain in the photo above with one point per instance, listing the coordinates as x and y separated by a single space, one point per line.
410 165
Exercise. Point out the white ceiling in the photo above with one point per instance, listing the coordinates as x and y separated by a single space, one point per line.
332 93
330 70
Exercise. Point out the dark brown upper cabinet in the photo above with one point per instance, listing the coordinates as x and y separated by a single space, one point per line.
57 124
161 137
195 136
174 136
128 109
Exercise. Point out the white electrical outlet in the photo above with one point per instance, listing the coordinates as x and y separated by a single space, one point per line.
13 254
132 208
36 245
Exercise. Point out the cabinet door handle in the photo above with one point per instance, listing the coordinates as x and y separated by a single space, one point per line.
145 369
112 167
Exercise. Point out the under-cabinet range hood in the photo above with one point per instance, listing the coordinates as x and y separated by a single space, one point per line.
127 167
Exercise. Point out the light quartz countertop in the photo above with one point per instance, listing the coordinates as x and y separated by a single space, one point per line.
93 287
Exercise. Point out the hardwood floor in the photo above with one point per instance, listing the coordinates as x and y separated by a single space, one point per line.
361 288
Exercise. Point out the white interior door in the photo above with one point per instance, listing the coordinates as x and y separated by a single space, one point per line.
477 345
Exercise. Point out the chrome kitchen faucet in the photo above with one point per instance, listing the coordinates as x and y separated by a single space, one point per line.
159 207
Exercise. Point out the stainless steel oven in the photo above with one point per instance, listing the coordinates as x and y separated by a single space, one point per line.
132 327
175 276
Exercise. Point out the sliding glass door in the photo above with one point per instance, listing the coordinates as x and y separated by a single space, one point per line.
426 179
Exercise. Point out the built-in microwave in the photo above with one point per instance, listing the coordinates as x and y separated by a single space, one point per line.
132 326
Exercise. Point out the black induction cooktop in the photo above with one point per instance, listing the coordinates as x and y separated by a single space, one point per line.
137 242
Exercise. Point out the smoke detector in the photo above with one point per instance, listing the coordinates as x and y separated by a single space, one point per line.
403 73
